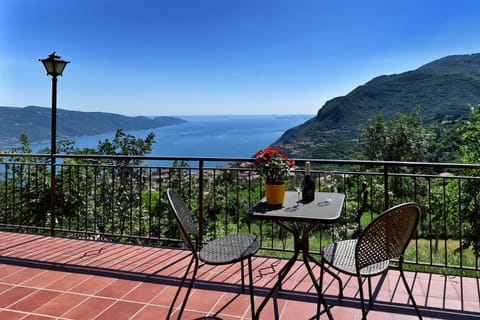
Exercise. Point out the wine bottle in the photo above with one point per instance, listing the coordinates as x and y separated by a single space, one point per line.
308 185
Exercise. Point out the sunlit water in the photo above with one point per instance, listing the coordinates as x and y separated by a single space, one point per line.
208 136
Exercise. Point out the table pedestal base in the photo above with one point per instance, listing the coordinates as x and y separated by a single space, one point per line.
301 246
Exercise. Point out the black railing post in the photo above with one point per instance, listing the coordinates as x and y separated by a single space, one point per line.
53 151
200 201
386 187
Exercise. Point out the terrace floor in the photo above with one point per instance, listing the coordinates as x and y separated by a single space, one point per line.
59 278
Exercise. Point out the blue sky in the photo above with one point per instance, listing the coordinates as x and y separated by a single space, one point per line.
189 57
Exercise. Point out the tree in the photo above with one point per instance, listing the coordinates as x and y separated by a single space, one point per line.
470 132
127 144
470 150
86 196
124 179
374 136
402 139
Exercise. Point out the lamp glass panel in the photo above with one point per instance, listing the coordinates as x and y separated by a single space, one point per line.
59 67
49 65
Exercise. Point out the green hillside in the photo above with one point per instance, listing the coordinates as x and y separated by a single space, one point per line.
442 89
35 123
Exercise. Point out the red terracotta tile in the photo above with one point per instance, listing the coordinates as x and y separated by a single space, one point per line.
342 313
155 262
4 287
225 317
472 306
67 281
299 310
144 292
35 300
89 309
22 275
13 295
118 288
471 286
7 270
232 304
36 317
115 256
377 315
140 257
441 288
152 313
165 297
61 304
269 311
43 279
203 300
191 315
221 275
435 302
303 283
121 310
92 285
11 315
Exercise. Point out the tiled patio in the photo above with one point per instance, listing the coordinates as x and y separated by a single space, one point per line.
59 278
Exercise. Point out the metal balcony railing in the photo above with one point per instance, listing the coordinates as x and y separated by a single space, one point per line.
122 198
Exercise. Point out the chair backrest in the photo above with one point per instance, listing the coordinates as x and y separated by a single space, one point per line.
186 223
387 236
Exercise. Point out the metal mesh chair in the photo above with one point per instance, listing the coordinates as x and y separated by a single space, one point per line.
385 238
226 250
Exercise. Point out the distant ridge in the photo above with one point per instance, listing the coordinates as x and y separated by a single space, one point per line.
35 122
442 89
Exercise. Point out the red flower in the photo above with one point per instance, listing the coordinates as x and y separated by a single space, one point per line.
273 164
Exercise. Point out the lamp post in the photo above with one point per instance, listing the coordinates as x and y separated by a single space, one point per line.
54 66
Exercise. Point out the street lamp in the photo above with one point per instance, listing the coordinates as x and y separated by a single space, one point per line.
54 66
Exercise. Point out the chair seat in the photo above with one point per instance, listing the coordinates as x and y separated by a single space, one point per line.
229 249
341 255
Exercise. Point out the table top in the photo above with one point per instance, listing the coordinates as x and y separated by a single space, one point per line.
324 209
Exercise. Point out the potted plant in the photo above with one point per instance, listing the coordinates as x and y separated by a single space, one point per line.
274 166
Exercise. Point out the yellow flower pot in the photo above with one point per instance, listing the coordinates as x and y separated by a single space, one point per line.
275 194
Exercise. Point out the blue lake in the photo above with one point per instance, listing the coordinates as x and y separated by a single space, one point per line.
209 136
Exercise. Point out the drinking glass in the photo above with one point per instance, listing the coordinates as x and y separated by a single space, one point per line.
299 203
298 188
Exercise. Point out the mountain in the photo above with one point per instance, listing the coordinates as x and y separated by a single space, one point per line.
443 90
35 122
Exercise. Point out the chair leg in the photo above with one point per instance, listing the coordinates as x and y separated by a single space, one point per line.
362 298
252 294
370 296
320 285
190 286
339 280
321 299
410 293
243 276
